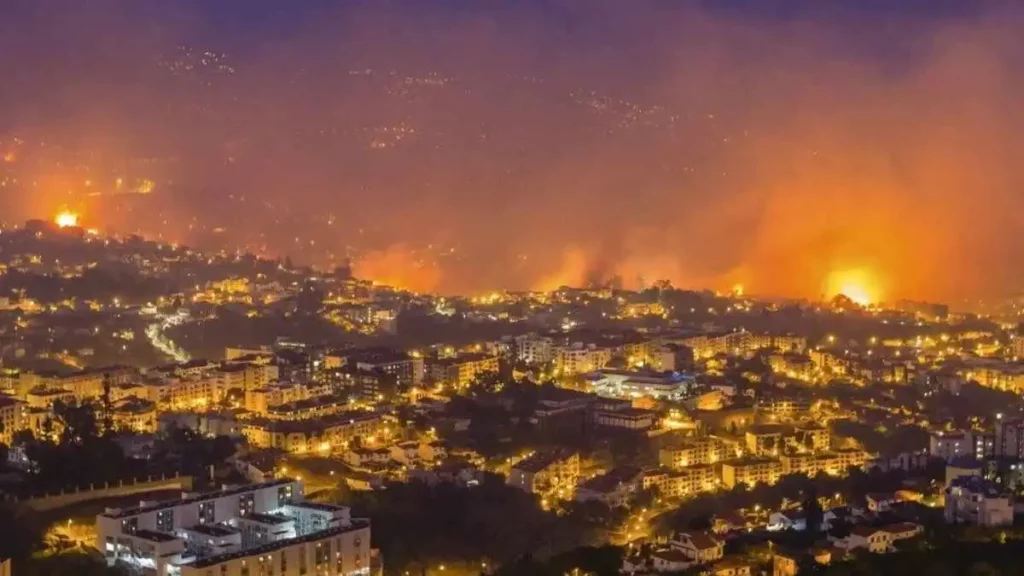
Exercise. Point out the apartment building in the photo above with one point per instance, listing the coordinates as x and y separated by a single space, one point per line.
579 358
682 482
242 531
694 451
974 500
751 471
462 370
553 472
320 434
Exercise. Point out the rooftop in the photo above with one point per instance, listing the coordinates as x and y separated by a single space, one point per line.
117 513
358 524
215 530
154 536
269 519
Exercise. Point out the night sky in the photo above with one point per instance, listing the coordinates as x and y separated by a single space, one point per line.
465 146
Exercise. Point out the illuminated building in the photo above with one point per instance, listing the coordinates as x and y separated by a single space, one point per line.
974 500
1009 438
135 415
256 529
764 440
461 371
321 434
698 547
783 409
549 473
407 370
993 373
682 482
695 451
613 489
316 407
834 463
367 457
10 418
633 419
808 437
829 362
534 349
258 400
951 445
578 358
750 471
1017 347
878 540
245 375
796 366
629 384
42 397
367 384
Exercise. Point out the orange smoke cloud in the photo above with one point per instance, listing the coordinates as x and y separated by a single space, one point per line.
400 267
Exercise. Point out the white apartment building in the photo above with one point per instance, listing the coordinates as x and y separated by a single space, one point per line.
951 445
534 349
974 500
241 531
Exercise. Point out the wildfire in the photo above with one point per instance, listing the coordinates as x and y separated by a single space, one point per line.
858 285
66 219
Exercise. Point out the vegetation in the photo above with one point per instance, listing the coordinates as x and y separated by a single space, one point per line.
419 526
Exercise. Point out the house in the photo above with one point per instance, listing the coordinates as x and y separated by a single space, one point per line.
879 540
787 520
731 567
699 547
874 540
880 501
729 522
796 519
903 531
785 564
367 457
670 561
613 489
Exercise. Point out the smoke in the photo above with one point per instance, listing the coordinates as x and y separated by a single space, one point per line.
466 146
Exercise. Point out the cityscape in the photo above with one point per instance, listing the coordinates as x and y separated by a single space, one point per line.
447 289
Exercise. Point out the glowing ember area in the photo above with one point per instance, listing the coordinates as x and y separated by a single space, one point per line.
66 219
857 285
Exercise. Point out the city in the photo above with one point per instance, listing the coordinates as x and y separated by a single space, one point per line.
663 429
511 288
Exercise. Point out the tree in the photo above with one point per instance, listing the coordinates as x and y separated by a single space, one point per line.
813 512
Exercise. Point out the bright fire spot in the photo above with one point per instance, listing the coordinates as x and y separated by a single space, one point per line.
66 219
738 290
857 285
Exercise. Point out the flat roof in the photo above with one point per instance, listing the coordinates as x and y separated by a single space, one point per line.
270 519
128 512
272 546
215 530
154 536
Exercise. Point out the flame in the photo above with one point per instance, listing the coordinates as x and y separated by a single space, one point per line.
66 219
858 285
